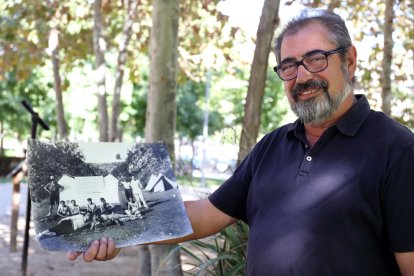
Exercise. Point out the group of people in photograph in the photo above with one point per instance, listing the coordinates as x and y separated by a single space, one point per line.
72 217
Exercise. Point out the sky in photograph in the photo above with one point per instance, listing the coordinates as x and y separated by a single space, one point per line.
104 152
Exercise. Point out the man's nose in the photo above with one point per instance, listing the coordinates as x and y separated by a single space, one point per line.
303 74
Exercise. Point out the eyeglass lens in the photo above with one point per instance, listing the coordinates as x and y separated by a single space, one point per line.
313 63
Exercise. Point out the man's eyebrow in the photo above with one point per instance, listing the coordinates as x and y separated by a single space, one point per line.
289 59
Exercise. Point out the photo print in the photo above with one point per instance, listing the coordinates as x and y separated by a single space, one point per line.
83 191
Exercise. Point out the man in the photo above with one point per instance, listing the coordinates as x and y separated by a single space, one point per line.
63 210
107 213
133 209
91 207
54 189
67 225
137 190
332 193
74 208
127 188
106 208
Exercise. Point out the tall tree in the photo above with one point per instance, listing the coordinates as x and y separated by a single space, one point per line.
131 11
99 47
57 82
253 107
387 57
161 110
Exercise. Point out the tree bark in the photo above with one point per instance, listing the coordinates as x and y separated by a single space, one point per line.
144 261
99 47
387 57
161 105
1 138
57 83
131 9
254 99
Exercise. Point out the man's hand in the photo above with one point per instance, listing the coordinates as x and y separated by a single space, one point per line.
102 250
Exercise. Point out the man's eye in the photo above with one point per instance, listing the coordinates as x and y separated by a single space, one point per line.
286 67
315 59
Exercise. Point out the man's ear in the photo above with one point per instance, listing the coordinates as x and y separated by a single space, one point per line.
351 59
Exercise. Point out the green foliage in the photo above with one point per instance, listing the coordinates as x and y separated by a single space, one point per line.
12 91
273 110
189 115
134 113
225 254
191 108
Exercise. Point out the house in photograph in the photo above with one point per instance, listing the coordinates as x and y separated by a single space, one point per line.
82 187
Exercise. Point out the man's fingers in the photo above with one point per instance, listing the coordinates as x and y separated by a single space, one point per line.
103 248
91 252
112 251
72 255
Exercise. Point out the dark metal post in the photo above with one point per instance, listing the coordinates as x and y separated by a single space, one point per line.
35 120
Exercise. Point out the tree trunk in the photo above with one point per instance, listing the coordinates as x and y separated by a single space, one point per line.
131 9
54 48
99 47
253 106
387 57
144 261
161 106
1 138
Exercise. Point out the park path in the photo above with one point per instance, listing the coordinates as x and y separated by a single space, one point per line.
47 263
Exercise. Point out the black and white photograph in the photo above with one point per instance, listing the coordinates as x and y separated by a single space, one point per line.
83 191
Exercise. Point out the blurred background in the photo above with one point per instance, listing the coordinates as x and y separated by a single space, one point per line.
196 74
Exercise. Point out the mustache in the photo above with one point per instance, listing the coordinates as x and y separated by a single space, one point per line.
310 84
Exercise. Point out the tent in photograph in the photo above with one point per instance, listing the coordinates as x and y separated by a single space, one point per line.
160 183
81 187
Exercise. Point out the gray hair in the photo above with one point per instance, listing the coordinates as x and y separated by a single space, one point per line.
334 24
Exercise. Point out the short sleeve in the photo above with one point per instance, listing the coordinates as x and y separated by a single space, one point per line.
399 204
231 196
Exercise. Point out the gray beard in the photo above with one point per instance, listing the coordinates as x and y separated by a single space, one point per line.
319 109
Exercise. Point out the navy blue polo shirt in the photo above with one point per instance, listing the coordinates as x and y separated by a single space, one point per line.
341 207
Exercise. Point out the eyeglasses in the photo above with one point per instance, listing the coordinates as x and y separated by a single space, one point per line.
315 62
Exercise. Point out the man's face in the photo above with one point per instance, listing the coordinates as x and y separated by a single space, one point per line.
316 97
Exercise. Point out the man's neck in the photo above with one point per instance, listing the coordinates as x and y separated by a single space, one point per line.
314 132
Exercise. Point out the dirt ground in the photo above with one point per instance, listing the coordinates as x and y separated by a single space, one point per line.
48 263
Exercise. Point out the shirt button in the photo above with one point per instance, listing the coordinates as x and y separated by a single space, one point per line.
309 158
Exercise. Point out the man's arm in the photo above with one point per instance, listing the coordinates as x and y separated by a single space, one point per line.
205 220
405 263
46 187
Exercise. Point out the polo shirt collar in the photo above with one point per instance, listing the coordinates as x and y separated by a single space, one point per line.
348 125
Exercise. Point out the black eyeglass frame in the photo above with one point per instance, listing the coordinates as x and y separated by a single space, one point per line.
300 62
